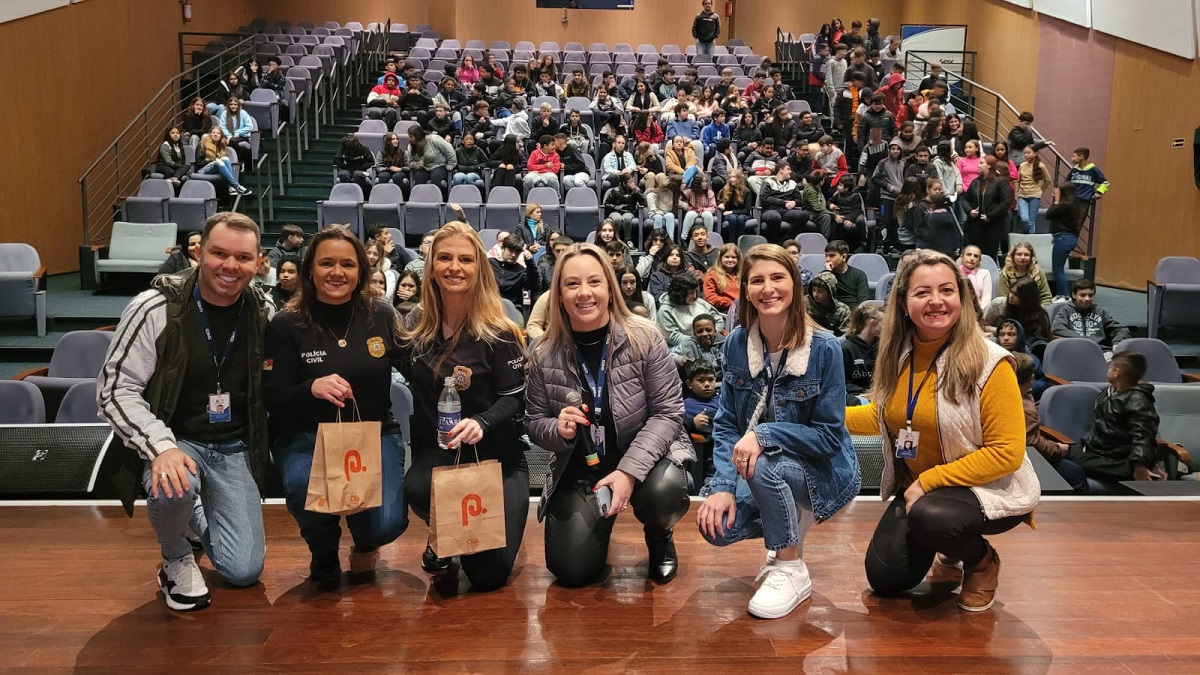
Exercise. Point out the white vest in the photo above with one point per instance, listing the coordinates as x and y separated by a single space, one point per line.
960 433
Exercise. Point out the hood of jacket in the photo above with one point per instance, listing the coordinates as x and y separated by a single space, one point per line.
1021 345
827 280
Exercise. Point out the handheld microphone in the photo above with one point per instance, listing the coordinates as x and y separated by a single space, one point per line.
575 399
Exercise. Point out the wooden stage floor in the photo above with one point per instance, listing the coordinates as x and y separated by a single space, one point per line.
1099 587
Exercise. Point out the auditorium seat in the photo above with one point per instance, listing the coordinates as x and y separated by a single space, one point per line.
149 205
78 405
1173 296
135 248
344 207
77 357
21 403
1161 365
197 201
22 280
1077 360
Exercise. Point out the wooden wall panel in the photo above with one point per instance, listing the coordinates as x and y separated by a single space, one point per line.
60 117
1005 38
411 12
755 21
1151 211
656 22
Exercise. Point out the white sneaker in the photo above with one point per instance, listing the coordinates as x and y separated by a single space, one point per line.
786 585
182 584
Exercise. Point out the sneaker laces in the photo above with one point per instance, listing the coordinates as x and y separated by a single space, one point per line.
185 572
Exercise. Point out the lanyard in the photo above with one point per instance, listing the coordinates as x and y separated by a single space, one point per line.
597 384
218 358
914 395
769 370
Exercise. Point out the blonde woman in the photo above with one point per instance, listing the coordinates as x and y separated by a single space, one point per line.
626 439
1022 262
211 157
946 401
460 331
721 280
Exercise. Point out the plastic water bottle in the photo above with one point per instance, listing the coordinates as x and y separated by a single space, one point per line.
449 412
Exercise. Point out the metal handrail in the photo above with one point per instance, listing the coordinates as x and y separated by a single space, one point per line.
996 115
103 183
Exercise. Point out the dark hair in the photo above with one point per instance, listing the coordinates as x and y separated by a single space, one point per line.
837 246
703 317
636 298
1029 307
291 229
513 242
877 98
1083 152
305 299
1025 369
698 367
723 144
1131 365
1082 284
616 246
680 286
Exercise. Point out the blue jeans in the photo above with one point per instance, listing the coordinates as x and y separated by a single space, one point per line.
735 226
705 48
228 520
665 221
690 217
222 167
370 529
1028 208
771 505
1064 243
461 178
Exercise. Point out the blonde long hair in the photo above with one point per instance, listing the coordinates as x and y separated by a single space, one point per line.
718 269
1010 269
486 320
642 332
968 348
798 321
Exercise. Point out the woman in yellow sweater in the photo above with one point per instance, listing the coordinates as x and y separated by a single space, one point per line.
947 404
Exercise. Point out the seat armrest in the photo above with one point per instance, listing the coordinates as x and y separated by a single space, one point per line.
1176 449
41 371
1054 379
1056 436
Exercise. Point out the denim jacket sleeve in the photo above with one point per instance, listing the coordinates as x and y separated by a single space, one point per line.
821 436
725 435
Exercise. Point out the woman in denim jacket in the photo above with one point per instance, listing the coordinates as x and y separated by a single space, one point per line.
780 429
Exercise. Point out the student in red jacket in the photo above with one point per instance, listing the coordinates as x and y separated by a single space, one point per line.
544 165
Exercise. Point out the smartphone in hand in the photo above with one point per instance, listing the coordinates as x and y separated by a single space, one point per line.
603 500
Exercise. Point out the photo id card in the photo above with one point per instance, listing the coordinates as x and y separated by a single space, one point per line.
906 444
218 408
598 438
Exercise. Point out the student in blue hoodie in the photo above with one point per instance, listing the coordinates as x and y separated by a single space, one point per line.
712 132
686 125
1089 182
1010 334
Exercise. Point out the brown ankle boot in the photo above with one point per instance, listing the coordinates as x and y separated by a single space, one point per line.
979 584
946 570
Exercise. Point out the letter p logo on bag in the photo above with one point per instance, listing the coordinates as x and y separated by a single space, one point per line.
353 463
472 505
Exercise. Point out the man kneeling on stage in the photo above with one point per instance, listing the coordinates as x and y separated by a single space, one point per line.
181 388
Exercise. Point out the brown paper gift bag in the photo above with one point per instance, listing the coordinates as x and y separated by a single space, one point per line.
347 471
466 509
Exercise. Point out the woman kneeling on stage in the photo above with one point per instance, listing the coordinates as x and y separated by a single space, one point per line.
782 455
460 331
946 401
330 350
604 397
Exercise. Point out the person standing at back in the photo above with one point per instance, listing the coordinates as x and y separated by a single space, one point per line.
181 388
706 28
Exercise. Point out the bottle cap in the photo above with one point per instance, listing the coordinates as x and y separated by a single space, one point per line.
449 382
593 459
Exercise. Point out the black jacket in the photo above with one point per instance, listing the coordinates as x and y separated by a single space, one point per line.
471 161
622 200
992 198
706 27
1123 434
514 279
940 231
858 358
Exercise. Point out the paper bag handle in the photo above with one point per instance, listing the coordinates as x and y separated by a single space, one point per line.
357 415
458 453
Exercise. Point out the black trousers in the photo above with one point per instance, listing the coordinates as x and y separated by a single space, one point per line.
988 236
438 176
577 535
947 520
774 230
487 570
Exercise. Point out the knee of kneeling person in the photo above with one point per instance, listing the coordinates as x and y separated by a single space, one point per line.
242 571
490 579
927 518
576 571
883 580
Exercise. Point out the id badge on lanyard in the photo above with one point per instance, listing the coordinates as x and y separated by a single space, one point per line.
907 441
219 405
596 385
